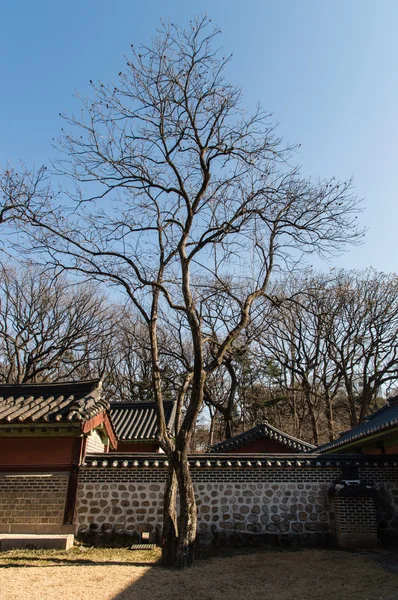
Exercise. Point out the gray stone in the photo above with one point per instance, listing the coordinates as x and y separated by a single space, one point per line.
283 526
238 517
254 527
275 518
226 525
252 518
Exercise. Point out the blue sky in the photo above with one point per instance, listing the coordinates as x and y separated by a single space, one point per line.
326 69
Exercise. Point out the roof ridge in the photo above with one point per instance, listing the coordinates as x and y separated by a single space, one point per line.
300 441
50 383
116 403
262 427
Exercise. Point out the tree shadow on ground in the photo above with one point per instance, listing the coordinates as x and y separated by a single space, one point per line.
313 575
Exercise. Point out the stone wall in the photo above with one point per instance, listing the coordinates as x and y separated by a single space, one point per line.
250 495
32 502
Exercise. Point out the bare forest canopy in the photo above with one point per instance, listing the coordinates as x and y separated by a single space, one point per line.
316 359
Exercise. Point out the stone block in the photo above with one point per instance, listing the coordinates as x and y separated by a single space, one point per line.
48 542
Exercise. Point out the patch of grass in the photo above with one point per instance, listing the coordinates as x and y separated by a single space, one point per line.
78 555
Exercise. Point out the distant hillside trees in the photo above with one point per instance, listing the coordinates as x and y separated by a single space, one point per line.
326 351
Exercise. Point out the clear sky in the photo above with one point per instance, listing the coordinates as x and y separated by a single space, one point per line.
326 69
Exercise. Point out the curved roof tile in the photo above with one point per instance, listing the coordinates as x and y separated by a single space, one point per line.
51 402
137 420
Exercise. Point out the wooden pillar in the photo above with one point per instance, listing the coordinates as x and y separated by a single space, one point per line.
78 449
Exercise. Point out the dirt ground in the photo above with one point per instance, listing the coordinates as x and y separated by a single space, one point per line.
128 575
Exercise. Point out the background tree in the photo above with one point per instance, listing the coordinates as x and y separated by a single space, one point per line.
128 372
364 343
180 186
51 329
335 343
298 340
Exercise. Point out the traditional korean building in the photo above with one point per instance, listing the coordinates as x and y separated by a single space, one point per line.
263 438
45 431
136 426
377 435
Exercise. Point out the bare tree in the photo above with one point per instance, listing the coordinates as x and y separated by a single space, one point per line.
364 342
128 373
19 189
299 339
338 340
185 186
49 328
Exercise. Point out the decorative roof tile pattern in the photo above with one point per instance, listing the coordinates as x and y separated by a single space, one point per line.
135 421
263 430
239 461
76 401
383 419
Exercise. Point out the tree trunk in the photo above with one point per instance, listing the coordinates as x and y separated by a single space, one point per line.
366 399
187 521
170 527
314 425
179 534
212 425
228 415
228 429
352 410
330 418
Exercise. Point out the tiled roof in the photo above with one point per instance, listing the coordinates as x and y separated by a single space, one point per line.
137 420
51 402
383 419
213 462
263 430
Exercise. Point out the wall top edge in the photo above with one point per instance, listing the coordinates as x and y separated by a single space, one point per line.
236 461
